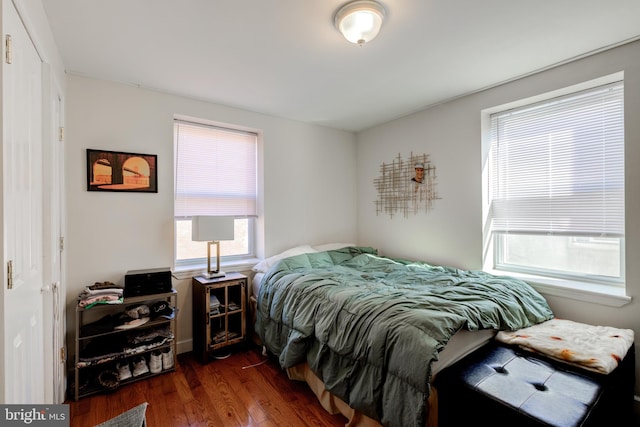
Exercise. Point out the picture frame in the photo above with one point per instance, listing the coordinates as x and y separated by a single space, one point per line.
118 171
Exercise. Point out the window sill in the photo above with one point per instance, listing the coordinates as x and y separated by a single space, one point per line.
581 291
189 271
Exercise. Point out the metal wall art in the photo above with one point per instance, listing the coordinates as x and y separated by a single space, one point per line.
406 186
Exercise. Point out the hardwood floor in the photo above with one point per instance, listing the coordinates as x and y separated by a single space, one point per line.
237 391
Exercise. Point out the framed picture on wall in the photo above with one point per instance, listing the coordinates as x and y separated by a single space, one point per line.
119 171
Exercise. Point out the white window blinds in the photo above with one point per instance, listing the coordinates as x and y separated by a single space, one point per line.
215 171
557 167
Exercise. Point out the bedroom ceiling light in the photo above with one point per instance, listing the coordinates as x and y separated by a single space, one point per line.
360 21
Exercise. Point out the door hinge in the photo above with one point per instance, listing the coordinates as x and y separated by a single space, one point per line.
10 274
8 45
61 244
63 355
61 134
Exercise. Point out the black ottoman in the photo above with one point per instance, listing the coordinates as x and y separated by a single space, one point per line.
499 385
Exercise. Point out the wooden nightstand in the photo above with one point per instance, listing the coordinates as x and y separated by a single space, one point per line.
219 313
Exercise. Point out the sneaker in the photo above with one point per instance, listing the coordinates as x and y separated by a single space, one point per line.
167 358
139 366
155 362
124 372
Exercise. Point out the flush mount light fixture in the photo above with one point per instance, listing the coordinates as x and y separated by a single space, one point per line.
360 21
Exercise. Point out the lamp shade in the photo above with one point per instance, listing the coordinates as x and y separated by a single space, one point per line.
212 228
360 21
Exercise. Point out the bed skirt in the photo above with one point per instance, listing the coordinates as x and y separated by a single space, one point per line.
334 405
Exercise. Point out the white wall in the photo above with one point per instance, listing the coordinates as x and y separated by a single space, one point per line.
309 185
450 133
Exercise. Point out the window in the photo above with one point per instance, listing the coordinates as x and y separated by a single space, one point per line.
554 189
215 174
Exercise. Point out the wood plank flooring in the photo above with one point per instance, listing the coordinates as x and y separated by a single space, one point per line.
237 391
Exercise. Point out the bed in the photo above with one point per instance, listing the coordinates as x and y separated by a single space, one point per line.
369 333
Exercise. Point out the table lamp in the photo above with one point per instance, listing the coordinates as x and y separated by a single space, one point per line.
212 229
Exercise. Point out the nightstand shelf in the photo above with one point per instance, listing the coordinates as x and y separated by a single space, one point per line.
219 313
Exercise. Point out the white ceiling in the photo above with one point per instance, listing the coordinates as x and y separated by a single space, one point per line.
285 58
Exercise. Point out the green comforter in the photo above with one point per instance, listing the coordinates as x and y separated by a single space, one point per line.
370 326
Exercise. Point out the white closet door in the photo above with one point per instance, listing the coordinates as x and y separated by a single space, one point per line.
22 329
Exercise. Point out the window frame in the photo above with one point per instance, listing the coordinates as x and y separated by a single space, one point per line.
501 265
581 288
225 260
188 267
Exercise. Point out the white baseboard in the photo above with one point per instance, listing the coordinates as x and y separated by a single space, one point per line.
184 346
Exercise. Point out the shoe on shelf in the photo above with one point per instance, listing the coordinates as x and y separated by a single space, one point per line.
155 362
167 358
109 379
124 372
140 366
138 311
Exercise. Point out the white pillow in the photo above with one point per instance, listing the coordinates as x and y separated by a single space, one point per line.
332 246
267 263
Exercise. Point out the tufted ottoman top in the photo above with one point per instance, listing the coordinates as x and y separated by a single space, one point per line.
533 387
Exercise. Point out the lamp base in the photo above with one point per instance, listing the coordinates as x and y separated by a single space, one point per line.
213 275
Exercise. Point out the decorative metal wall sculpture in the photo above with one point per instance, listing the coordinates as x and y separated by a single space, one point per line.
406 186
